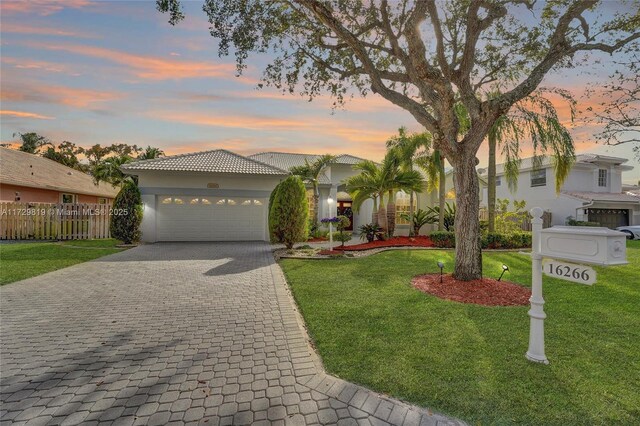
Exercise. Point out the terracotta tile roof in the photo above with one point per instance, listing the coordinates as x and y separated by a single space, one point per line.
602 196
24 169
216 161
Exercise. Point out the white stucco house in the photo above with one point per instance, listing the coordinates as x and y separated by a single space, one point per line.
223 196
591 192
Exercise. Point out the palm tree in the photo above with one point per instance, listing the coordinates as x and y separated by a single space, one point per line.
310 172
406 149
536 119
150 153
432 163
108 170
374 181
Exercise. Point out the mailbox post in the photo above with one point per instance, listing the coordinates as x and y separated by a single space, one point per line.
590 245
536 312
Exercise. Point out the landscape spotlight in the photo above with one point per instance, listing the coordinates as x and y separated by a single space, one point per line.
441 266
505 268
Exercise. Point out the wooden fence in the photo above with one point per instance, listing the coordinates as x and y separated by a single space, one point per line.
525 224
45 221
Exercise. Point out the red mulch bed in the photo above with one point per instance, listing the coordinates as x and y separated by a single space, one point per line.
419 241
486 292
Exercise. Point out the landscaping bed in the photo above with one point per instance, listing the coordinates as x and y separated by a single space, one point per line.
419 241
486 292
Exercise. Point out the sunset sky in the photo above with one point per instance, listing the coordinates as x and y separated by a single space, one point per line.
115 71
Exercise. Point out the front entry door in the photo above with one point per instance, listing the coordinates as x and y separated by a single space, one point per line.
344 209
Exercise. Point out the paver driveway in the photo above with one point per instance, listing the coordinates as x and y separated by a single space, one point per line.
192 332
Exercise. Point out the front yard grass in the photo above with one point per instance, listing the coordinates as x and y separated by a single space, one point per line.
24 260
371 327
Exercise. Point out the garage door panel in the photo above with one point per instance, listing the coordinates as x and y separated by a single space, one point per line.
182 218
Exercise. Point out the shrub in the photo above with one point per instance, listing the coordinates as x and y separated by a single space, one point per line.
343 223
369 231
509 222
572 222
495 240
289 212
127 216
449 215
420 218
443 239
342 237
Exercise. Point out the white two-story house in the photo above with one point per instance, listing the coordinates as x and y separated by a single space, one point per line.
592 191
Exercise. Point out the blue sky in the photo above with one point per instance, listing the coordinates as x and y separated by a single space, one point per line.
115 71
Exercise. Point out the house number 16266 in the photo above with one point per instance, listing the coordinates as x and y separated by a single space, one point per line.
567 271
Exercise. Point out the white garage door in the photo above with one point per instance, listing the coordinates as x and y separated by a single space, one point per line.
196 218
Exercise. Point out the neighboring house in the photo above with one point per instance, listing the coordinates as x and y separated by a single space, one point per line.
29 178
592 191
223 196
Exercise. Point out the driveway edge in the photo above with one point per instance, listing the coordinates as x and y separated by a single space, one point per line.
310 373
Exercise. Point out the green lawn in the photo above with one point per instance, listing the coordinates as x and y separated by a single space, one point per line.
23 260
371 327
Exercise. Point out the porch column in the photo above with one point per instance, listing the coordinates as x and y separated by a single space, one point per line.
332 209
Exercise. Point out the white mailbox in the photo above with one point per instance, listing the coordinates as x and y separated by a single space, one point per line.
584 244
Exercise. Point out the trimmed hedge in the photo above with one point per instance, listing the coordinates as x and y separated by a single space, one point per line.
289 212
127 217
493 240
444 239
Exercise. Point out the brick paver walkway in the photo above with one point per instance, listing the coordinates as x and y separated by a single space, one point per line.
172 333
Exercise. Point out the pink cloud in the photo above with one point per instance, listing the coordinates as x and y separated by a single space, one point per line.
24 114
147 67
27 64
232 121
78 98
40 7
10 27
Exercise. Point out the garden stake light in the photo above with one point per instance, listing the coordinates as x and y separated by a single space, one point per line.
441 266
505 268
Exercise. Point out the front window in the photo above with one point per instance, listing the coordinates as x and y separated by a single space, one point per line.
498 180
402 206
539 177
68 198
602 177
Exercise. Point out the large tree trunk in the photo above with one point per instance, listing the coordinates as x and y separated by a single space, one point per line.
491 190
442 193
467 224
391 213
